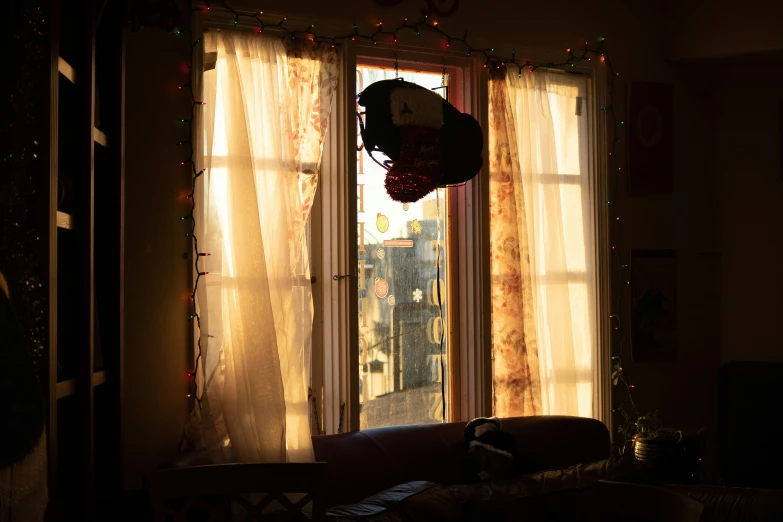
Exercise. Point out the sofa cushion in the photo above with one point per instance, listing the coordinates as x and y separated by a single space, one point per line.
536 484
417 501
554 495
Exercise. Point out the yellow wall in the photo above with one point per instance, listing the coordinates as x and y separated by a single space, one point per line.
156 275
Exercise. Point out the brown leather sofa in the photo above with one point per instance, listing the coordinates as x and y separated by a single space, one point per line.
364 463
421 473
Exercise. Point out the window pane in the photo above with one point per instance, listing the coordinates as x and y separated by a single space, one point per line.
400 320
573 227
566 125
559 229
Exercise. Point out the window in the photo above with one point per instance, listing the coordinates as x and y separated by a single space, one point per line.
407 323
403 257
383 363
544 217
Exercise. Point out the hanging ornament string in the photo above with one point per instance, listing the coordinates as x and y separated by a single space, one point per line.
624 401
440 309
260 21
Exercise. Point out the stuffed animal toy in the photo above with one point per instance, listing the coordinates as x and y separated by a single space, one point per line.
492 451
429 142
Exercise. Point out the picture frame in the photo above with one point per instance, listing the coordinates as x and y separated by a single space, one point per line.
650 151
653 304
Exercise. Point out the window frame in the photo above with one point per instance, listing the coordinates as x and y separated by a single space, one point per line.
335 343
469 365
591 208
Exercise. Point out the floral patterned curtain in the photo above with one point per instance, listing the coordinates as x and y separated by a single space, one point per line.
515 370
313 70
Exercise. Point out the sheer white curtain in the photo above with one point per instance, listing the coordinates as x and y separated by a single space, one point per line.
263 130
550 123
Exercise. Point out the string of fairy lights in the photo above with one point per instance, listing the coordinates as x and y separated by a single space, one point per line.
623 403
190 161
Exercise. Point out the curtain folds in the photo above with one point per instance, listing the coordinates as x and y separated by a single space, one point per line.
543 253
515 376
266 115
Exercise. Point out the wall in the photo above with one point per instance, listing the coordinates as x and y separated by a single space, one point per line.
708 29
156 275
748 154
688 220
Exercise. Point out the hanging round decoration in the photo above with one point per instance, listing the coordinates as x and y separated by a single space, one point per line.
429 142
381 287
392 300
382 223
380 253
405 207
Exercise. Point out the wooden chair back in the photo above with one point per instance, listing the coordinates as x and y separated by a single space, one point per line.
247 492
624 502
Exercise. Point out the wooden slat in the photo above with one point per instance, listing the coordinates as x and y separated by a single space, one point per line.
98 378
66 70
100 138
66 388
65 220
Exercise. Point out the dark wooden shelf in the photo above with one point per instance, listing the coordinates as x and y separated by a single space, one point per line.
66 69
66 221
85 252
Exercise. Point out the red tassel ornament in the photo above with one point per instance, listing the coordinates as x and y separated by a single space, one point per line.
419 168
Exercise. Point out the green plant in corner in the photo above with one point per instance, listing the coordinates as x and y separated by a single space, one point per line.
632 423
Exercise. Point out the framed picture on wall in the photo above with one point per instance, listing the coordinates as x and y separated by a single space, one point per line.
650 139
653 305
